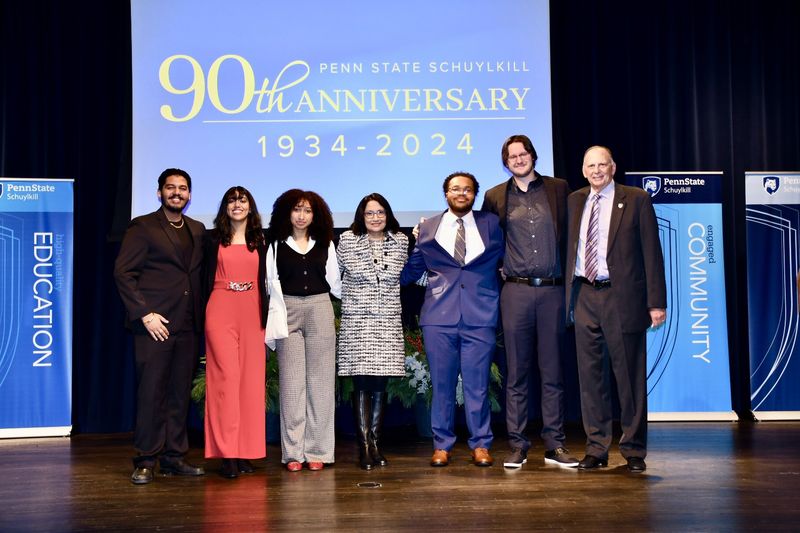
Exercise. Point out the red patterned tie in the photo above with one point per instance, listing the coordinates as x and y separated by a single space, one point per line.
590 253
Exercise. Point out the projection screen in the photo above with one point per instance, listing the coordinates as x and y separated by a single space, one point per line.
341 98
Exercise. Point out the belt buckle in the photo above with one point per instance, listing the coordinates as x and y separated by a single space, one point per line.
535 282
236 286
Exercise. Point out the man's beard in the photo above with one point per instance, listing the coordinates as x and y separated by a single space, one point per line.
458 211
517 172
171 208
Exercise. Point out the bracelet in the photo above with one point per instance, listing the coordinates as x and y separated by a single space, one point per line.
149 320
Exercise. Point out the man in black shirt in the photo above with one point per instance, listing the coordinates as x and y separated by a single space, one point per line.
532 210
158 278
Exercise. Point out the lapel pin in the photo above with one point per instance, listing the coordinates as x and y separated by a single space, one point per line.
619 205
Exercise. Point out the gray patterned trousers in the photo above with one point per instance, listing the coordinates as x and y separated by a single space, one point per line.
307 371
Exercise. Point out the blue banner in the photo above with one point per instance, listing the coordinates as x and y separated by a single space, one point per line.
36 250
773 220
687 358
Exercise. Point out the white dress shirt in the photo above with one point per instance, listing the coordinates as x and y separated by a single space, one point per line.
448 228
606 205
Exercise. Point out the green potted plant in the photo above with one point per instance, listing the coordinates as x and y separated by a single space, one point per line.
271 383
412 390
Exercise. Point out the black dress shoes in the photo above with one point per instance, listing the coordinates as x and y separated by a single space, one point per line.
245 466
636 464
179 467
590 462
229 469
142 475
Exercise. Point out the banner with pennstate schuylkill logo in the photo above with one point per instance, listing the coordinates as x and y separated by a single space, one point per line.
687 358
36 250
773 267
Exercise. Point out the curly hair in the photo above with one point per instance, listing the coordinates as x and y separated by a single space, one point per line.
254 233
446 184
280 223
358 226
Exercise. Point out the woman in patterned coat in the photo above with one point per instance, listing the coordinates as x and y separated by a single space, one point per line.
371 255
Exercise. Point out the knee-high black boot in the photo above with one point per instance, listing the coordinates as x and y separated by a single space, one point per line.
362 412
375 428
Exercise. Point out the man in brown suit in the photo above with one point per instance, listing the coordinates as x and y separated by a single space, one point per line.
158 277
616 291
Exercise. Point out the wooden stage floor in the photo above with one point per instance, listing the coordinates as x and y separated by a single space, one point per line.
700 477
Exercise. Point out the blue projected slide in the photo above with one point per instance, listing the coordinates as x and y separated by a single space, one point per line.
341 98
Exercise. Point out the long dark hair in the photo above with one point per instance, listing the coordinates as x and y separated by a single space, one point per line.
360 228
280 223
253 233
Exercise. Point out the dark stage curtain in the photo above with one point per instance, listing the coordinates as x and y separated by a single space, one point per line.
683 85
669 85
65 96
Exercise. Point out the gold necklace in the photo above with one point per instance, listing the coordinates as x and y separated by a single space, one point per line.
177 226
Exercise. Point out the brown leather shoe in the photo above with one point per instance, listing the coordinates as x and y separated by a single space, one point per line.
481 457
440 458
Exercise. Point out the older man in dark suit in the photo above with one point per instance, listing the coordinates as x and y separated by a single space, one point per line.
460 250
617 291
158 274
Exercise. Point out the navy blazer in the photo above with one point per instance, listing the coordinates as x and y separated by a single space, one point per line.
470 293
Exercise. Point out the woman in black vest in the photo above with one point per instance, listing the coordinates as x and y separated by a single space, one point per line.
301 270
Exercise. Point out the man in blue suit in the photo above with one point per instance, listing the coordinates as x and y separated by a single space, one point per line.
460 250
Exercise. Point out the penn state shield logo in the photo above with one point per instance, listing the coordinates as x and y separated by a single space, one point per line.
772 184
651 184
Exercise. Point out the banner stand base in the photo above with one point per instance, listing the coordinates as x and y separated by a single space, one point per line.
776 415
23 433
710 416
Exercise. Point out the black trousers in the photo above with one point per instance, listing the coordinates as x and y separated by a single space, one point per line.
164 372
602 348
533 332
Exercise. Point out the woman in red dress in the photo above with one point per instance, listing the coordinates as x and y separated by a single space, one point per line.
236 315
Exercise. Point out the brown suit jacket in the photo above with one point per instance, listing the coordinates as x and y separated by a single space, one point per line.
495 201
634 258
151 275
